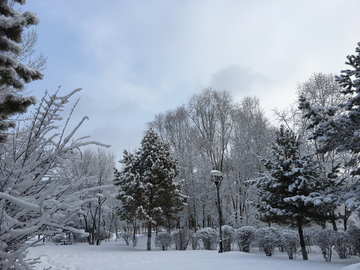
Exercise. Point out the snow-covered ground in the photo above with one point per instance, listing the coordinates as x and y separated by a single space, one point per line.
116 255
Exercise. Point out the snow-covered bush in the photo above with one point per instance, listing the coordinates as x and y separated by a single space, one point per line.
324 239
228 237
342 244
163 240
354 235
126 236
290 242
244 237
268 239
57 238
195 241
208 237
182 239
308 238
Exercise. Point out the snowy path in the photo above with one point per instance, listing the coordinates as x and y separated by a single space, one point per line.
116 255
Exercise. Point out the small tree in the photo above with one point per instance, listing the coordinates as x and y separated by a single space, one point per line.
290 242
342 244
354 235
164 240
182 239
325 240
268 239
244 237
126 236
209 238
228 237
195 241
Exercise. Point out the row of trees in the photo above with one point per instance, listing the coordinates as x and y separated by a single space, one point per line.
304 172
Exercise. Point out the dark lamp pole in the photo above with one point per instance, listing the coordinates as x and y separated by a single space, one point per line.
217 177
102 199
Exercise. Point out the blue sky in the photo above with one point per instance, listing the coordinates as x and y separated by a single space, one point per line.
135 59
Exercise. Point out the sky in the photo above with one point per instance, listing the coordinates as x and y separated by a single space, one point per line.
136 59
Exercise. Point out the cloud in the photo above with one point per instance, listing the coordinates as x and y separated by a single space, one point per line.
237 79
135 59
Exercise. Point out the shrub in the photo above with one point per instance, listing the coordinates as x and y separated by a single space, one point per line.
308 238
195 241
57 238
209 238
126 236
163 240
228 237
268 239
290 242
354 235
324 239
182 239
244 237
342 244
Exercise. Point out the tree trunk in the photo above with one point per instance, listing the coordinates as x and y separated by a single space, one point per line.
302 241
333 222
149 236
134 235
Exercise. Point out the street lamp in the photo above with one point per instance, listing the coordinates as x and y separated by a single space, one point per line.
217 177
102 199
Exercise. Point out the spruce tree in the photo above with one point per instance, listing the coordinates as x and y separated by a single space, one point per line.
14 74
131 189
147 187
337 129
291 186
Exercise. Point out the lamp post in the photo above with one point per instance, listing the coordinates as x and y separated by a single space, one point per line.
102 199
217 177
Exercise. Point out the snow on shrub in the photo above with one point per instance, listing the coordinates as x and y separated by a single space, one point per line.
209 238
324 239
182 239
163 240
126 236
195 241
268 239
290 242
57 238
342 244
354 235
228 237
244 237
308 238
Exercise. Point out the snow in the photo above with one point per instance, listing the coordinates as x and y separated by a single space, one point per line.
117 255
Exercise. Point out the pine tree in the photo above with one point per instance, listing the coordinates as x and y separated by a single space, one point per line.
338 127
291 186
131 190
147 189
13 74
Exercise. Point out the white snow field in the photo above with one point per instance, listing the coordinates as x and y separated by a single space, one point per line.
116 255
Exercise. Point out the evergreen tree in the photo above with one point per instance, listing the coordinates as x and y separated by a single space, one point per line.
147 189
13 74
338 127
291 186
131 190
